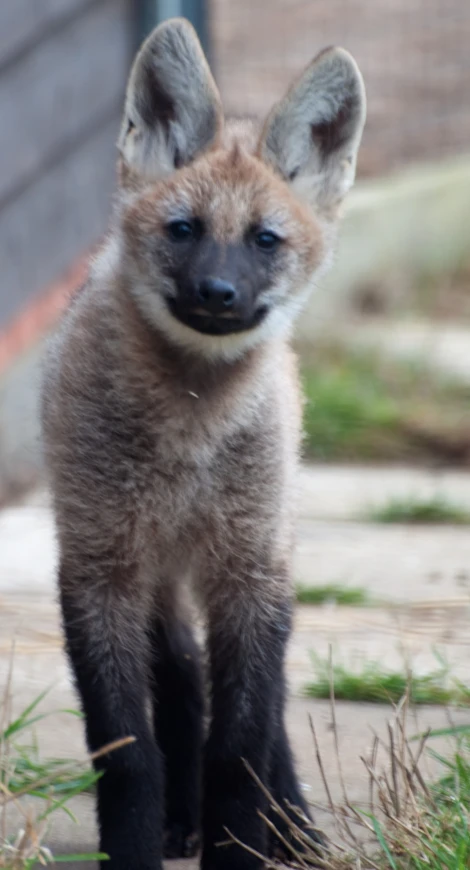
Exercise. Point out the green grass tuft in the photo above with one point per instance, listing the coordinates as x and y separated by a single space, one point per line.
376 685
24 774
443 836
416 510
349 596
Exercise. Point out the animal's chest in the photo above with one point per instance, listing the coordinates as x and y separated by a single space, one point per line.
182 481
199 466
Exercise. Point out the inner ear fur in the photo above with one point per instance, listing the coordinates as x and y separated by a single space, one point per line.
173 108
312 136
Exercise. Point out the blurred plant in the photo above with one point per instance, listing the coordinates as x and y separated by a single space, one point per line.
420 510
374 684
348 596
362 406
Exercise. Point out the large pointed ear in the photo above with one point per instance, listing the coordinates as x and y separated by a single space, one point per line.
173 109
312 136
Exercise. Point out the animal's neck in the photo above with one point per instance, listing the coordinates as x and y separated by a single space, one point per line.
216 379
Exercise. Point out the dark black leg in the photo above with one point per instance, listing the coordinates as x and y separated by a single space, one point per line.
246 655
106 644
285 789
178 706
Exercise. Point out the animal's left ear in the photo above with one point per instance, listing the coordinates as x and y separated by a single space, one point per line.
312 136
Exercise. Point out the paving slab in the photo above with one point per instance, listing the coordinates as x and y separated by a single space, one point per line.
443 346
395 563
351 492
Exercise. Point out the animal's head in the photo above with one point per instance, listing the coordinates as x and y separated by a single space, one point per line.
221 238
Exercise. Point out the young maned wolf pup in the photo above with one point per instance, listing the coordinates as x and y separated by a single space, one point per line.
171 418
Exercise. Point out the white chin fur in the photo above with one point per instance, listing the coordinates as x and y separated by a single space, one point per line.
277 323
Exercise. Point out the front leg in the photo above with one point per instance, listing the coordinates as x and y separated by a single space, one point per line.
104 622
247 639
285 789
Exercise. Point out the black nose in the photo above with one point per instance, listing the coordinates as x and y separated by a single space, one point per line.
216 295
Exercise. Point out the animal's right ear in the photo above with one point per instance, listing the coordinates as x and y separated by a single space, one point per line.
173 108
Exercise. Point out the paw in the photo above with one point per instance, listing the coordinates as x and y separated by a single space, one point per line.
178 842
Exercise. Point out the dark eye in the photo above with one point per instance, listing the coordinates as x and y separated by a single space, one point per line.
180 231
266 240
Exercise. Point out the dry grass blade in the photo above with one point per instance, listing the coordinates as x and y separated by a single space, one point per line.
405 824
298 833
416 773
268 864
343 815
289 846
320 766
395 794
334 723
111 747
372 763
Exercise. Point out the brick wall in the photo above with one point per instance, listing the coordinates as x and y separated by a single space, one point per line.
414 54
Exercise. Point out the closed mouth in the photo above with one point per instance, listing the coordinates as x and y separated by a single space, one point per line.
210 324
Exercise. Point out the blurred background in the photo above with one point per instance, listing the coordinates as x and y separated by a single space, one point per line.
384 344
